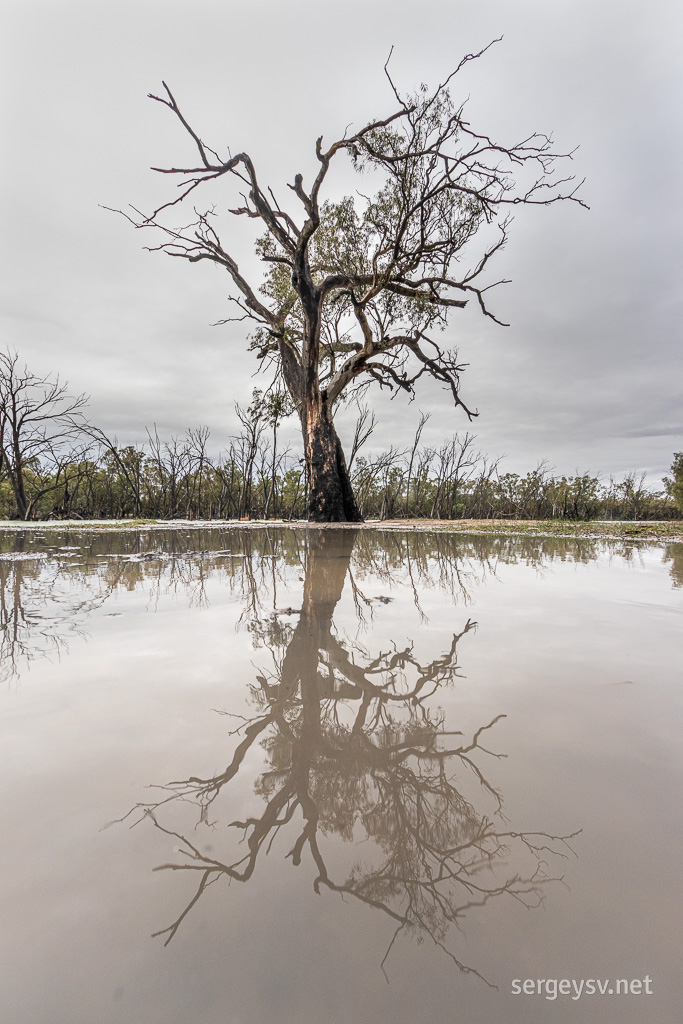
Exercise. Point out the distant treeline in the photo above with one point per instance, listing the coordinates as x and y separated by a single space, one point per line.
54 463
257 477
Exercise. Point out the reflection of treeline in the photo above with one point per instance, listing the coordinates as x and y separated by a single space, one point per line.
131 555
388 554
256 477
51 581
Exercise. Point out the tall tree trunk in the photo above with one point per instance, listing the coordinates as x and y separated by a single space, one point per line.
15 474
331 498
330 495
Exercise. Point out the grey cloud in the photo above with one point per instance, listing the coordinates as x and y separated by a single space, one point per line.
589 372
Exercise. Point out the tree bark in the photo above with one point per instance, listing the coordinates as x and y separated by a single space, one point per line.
16 478
331 498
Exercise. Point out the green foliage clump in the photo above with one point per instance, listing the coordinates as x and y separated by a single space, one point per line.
674 484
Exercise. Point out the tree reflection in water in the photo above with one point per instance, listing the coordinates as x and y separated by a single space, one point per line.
42 607
356 751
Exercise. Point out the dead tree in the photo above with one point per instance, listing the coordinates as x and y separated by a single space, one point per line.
38 430
354 289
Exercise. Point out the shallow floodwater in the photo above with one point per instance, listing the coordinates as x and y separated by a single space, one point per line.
339 775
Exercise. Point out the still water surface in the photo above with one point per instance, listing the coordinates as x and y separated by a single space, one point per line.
338 775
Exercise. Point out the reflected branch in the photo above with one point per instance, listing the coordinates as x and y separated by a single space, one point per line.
355 751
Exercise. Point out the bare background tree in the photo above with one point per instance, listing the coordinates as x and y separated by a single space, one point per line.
355 289
38 433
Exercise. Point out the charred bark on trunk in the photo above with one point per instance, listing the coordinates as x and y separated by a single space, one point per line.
331 497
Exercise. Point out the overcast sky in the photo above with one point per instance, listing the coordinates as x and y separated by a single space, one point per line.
588 375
